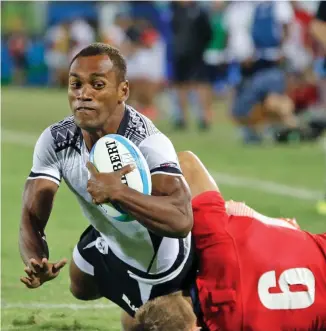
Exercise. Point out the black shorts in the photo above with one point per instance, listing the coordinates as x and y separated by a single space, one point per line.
190 70
217 72
115 278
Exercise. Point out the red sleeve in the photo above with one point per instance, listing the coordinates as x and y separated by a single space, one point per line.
217 259
210 219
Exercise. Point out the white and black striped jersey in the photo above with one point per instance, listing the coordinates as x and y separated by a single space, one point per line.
60 153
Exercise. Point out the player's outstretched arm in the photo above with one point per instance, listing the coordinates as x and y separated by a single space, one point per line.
37 205
166 212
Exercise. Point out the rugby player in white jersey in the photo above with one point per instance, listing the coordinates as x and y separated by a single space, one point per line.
126 262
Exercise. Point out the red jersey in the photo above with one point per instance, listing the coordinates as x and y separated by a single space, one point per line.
257 276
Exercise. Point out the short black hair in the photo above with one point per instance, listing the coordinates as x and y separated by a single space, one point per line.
113 53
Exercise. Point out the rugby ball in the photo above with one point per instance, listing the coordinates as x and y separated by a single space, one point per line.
111 153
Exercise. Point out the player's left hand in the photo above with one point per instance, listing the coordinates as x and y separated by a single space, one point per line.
103 187
39 273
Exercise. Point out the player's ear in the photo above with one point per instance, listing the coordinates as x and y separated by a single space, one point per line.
123 91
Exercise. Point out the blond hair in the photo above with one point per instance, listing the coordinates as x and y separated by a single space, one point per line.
167 313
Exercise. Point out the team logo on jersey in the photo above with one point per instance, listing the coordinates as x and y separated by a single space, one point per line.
102 246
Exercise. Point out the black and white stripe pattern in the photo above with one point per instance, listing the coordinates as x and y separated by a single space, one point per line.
135 126
35 175
66 134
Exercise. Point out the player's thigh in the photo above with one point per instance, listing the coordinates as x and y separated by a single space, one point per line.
83 284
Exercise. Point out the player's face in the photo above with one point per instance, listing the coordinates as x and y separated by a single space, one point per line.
94 91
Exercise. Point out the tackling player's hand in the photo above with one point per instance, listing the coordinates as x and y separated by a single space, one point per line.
39 273
103 187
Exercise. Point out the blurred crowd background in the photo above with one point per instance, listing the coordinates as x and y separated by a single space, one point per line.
264 59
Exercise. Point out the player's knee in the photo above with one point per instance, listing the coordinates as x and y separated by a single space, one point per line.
79 293
271 102
82 286
279 103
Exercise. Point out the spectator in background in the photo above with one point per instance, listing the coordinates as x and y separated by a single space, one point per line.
57 42
261 100
298 43
191 34
63 41
115 34
318 25
270 27
237 20
145 56
298 51
81 35
215 58
240 49
318 30
18 44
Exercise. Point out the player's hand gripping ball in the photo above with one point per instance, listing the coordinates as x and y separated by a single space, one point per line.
115 160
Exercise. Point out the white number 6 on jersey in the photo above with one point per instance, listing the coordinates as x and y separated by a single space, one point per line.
287 299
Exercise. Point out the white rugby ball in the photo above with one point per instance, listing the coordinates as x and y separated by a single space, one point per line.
111 153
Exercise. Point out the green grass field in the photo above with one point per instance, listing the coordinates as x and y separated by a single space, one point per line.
247 173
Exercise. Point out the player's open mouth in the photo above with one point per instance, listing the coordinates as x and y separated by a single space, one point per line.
84 109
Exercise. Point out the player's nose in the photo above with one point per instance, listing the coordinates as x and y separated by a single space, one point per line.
85 94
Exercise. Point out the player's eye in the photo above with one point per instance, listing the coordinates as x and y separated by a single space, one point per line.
98 84
75 84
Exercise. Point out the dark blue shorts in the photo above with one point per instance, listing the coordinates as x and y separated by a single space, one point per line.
255 89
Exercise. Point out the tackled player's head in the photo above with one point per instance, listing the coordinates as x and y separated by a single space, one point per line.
166 313
97 85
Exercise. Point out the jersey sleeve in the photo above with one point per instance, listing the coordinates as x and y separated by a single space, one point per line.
160 155
45 160
210 219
